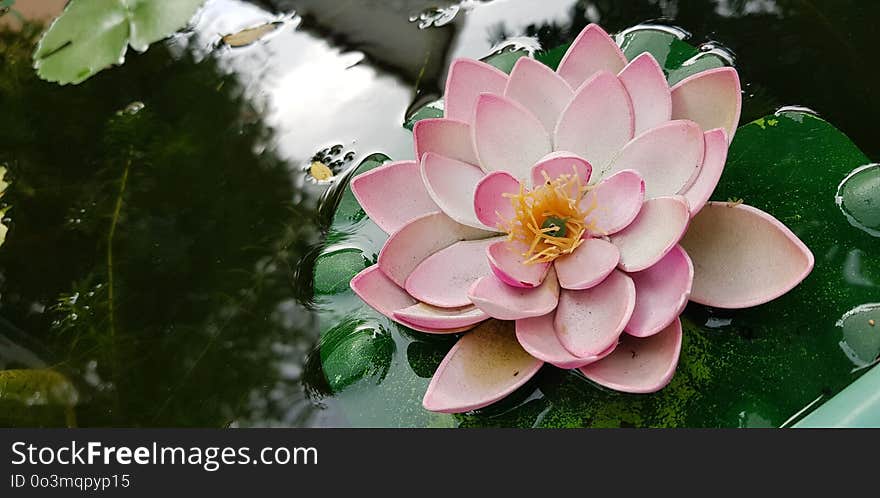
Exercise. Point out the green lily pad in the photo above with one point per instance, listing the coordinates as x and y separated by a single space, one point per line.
334 270
677 58
430 110
861 334
353 350
90 36
505 58
859 198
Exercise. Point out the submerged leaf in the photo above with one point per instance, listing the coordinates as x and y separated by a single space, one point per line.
37 387
90 36
677 58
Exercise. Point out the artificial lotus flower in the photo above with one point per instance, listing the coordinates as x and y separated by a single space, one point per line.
568 211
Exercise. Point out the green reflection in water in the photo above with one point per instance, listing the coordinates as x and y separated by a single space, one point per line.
151 247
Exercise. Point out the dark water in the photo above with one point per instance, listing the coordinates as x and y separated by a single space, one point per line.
164 222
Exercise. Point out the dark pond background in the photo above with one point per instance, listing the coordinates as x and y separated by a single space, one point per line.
164 220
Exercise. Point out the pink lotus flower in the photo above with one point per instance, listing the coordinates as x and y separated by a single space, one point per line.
573 204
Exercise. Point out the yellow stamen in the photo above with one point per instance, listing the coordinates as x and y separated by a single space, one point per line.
556 200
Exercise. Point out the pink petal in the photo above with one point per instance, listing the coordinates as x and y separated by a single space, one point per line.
393 194
713 165
506 302
538 337
712 98
383 295
446 137
598 122
506 261
560 163
614 203
649 91
451 184
588 265
538 89
425 315
484 366
639 365
507 136
590 321
743 256
444 277
655 231
490 205
662 292
420 238
467 79
592 51
667 157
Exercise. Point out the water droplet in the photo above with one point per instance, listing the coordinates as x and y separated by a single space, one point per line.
658 25
527 44
796 108
858 197
718 50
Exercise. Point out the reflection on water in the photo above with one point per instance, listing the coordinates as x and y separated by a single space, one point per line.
208 319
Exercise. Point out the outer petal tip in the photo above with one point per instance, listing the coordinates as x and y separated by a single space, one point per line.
446 137
743 256
592 51
712 98
467 79
483 367
639 365
392 195
649 91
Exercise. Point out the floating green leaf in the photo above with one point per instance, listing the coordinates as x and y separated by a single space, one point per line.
678 58
335 269
90 36
348 210
428 111
505 58
859 198
355 349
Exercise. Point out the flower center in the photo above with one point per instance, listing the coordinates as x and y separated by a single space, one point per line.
549 219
